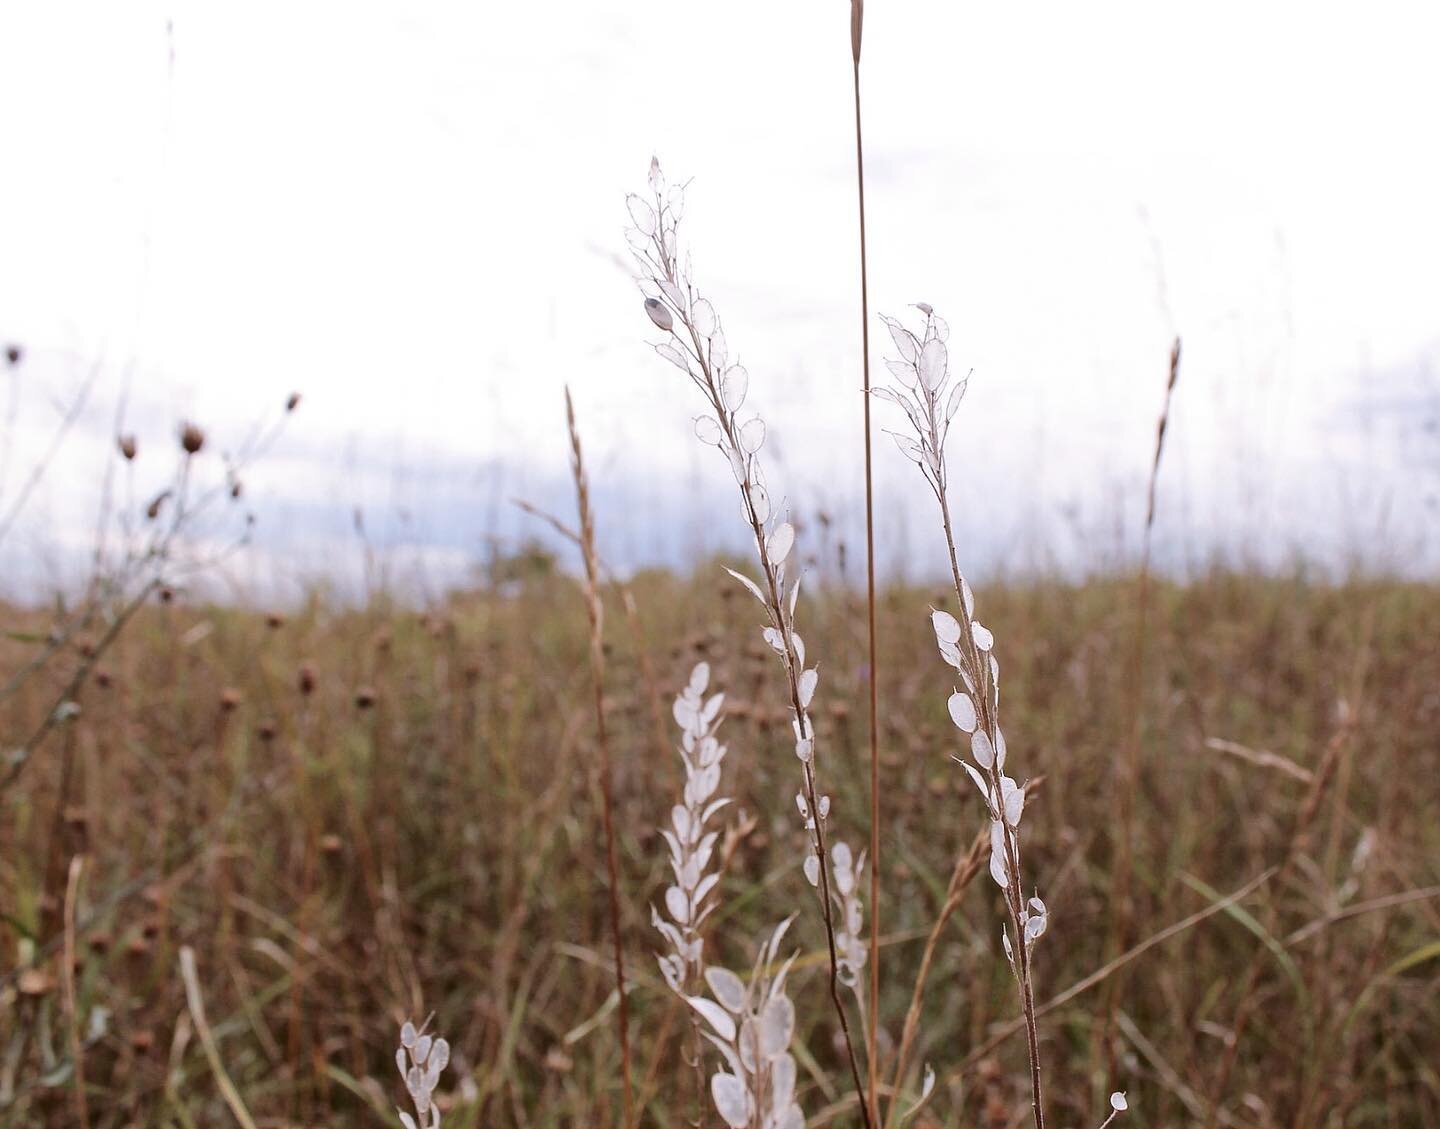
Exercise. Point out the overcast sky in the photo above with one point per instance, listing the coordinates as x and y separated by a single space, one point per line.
414 214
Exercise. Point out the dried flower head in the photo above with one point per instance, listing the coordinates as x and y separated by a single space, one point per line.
191 438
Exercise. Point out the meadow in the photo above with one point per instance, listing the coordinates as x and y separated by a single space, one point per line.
625 851
355 816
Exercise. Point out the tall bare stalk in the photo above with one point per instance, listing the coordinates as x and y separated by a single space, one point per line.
872 1043
1128 767
596 612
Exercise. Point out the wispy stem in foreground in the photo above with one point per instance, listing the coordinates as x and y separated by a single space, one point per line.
596 613
1128 767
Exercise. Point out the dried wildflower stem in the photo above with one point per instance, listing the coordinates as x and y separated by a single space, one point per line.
924 370
967 866
1128 766
857 17
72 1012
597 669
1014 899
697 345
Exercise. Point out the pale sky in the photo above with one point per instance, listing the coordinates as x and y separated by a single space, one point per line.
413 214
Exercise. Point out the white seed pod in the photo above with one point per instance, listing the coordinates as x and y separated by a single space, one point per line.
642 215
812 870
727 988
947 627
932 364
981 634
702 317
777 1025
732 1100
1118 1102
715 1015
962 712
981 749
1012 799
708 431
733 387
997 854
781 542
807 684
759 502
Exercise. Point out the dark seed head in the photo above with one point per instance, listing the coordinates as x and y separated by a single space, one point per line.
191 438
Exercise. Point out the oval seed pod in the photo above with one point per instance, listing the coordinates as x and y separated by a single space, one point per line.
659 314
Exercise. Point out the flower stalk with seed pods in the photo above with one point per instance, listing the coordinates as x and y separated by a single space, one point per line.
751 1024
688 901
930 399
421 1058
695 343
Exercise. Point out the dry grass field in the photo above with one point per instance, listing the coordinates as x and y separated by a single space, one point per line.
354 817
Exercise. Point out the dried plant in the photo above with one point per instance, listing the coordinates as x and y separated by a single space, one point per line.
420 1059
695 343
595 610
930 400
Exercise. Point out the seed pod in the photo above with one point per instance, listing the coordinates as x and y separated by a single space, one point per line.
128 447
659 314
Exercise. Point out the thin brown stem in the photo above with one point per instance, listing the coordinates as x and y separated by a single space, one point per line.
597 669
871 1036
1128 766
